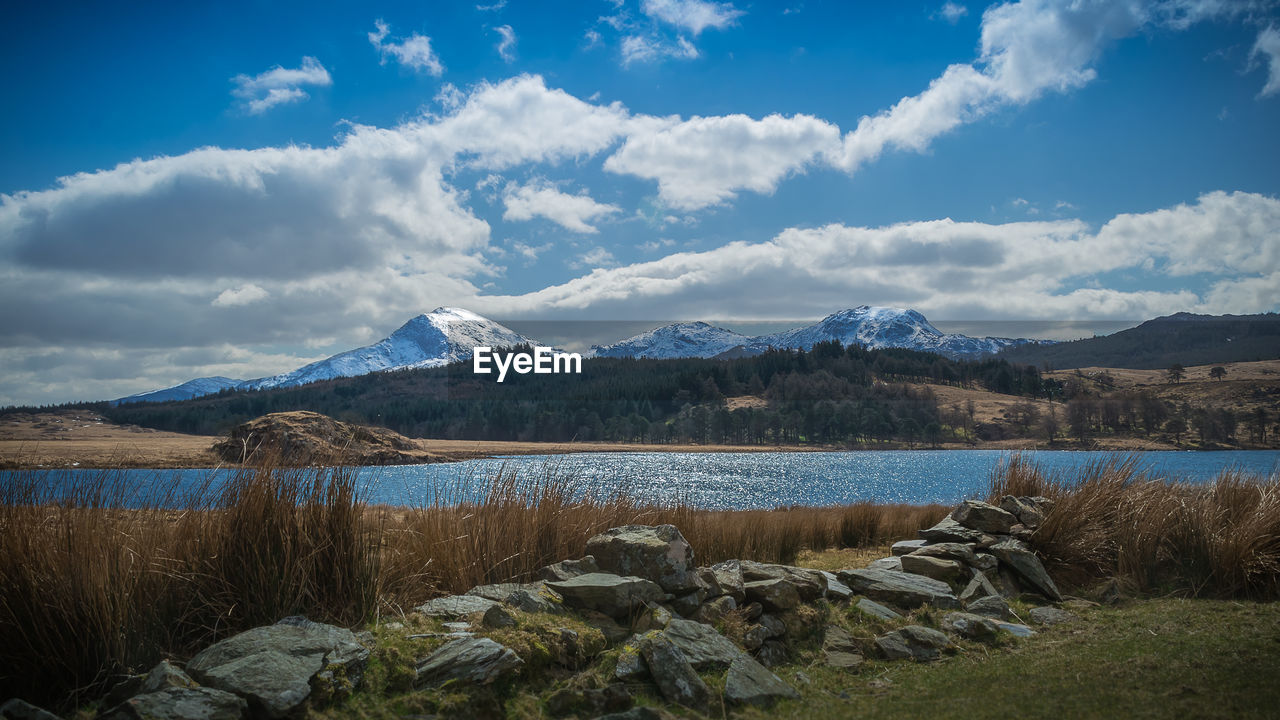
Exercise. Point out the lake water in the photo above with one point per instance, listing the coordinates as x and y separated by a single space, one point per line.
755 480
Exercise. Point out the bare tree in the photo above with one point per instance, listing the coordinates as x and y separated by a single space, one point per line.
1175 373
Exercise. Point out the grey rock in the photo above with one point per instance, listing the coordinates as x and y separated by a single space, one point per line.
566 569
654 552
992 606
835 588
906 547
971 626
1016 555
1051 616
775 626
498 592
165 675
809 584
876 610
713 611
1030 511
652 617
836 638
673 674
750 683
984 517
1015 629
948 530
533 602
1006 581
986 562
932 567
456 606
753 610
893 564
754 637
978 587
17 709
775 594
177 703
498 617
772 653
273 667
612 595
631 665
612 631
727 577
913 641
960 552
456 627
902 589
687 604
470 661
701 645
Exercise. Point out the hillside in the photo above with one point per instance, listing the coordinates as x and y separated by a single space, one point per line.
1181 338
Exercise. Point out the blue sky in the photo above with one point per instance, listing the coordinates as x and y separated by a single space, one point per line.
240 188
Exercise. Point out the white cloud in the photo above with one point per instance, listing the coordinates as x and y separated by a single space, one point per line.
952 12
243 295
506 46
540 198
692 15
492 8
531 252
279 85
705 161
652 48
596 257
413 52
1268 45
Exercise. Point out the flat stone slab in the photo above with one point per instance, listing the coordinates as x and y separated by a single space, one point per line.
932 567
876 610
948 530
612 595
902 589
470 661
889 563
456 606
775 594
906 547
1051 616
179 703
984 517
835 588
1015 629
1024 562
992 606
750 683
672 673
971 626
703 647
915 642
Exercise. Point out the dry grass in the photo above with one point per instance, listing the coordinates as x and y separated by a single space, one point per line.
1154 535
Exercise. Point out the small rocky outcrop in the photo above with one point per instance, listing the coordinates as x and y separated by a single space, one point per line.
903 589
658 553
470 661
913 642
309 438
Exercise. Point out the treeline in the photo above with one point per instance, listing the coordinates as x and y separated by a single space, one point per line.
831 394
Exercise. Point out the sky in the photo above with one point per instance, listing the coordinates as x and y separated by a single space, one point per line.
240 188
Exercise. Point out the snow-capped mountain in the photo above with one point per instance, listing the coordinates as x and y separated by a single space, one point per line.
678 340
885 327
437 338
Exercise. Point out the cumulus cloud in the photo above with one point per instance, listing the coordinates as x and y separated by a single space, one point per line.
279 85
540 198
506 46
952 12
692 15
652 48
413 52
1268 46
243 295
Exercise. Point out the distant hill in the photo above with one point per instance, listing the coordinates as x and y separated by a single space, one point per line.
1180 338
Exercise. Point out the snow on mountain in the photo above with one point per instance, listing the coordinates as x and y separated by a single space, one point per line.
678 340
437 338
185 391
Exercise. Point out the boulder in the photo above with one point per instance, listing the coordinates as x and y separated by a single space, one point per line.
960 552
775 594
612 631
840 649
612 595
701 645
652 617
725 579
750 683
932 567
1024 562
17 709
1015 629
631 665
498 592
971 626
898 588
913 641
809 584
986 562
469 661
274 667
906 547
753 610
984 517
657 553
687 604
566 569
876 610
992 606
673 674
1051 616
893 564
165 675
948 530
532 602
498 617
776 627
835 588
754 637
978 587
175 703
772 653
1030 511
713 611
456 606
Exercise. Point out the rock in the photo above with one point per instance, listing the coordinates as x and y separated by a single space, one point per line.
906 547
960 552
986 562
750 683
893 564
498 592
754 637
984 517
591 702
948 530
470 661
1007 583
913 641
978 587
809 584
772 653
835 588
631 665
274 667
727 577
876 610
776 627
612 595
840 648
1075 603
529 601
165 675
686 605
1015 629
498 617
657 553
456 606
652 617
1027 510
457 627
971 626
713 611
176 703
701 645
992 606
753 610
673 674
566 569
902 589
932 567
1051 616
1018 556
16 709
612 631
776 594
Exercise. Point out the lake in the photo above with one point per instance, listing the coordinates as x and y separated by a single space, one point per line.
757 480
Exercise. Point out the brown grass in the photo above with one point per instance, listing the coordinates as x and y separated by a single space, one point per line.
1155 535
